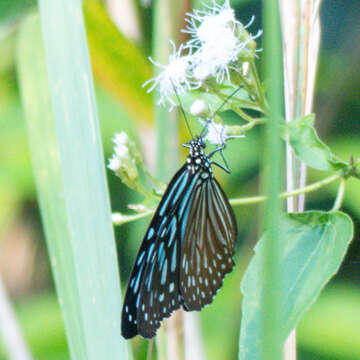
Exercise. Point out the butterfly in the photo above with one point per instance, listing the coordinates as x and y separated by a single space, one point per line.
187 250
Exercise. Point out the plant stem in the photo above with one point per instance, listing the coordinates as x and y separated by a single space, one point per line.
242 114
238 130
269 334
158 183
315 186
258 87
123 219
340 195
244 201
147 194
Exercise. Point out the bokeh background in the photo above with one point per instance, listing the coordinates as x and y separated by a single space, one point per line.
330 330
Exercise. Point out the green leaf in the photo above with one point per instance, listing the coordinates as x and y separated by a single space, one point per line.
313 245
68 165
308 147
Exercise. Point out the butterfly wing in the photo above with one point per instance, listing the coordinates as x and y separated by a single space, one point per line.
208 245
153 291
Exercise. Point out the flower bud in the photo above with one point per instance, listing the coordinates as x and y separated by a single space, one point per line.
123 162
198 108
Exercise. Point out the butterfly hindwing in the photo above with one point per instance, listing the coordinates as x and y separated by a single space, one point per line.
208 245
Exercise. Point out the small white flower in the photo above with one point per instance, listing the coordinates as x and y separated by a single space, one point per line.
114 163
216 133
198 107
217 56
175 77
245 68
117 218
121 138
138 207
121 151
123 160
204 25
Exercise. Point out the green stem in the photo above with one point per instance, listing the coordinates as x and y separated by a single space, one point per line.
259 90
242 113
238 130
306 189
123 219
158 183
147 194
251 200
340 195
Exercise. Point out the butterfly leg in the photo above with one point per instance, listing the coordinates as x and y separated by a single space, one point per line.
226 169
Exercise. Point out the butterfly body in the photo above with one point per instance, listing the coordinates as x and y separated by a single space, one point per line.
187 249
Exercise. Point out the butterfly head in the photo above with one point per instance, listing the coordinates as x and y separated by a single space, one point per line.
197 158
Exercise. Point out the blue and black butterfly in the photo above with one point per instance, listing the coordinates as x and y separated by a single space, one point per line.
187 250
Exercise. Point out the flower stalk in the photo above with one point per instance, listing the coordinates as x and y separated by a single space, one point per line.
120 219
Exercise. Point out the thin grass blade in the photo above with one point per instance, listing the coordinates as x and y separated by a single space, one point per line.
68 165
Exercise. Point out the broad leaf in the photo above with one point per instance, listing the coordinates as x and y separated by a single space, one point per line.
313 247
307 145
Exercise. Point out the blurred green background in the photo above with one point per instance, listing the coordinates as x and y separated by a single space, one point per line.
331 329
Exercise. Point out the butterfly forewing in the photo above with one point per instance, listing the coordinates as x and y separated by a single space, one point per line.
208 245
153 291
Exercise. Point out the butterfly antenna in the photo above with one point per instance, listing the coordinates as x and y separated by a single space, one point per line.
182 109
227 99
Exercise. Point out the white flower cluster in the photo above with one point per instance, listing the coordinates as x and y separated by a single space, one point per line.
123 160
217 45
121 151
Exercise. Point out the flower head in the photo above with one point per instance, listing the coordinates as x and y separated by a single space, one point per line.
221 42
217 133
203 25
217 56
123 161
174 78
